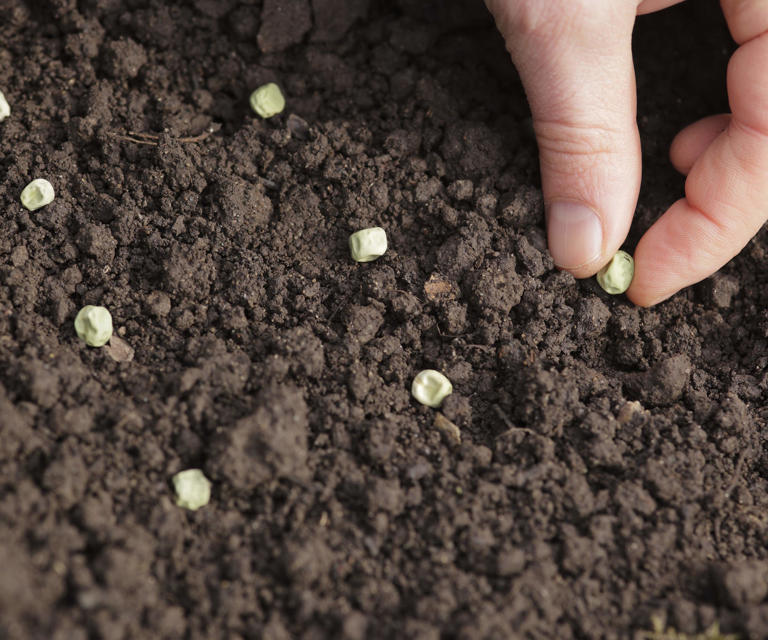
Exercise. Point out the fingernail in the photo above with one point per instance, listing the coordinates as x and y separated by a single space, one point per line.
575 234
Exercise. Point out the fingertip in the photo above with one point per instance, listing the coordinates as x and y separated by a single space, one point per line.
575 236
641 292
666 259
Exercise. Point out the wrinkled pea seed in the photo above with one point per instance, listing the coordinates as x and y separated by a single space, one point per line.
431 387
268 100
37 193
368 244
94 325
193 489
616 276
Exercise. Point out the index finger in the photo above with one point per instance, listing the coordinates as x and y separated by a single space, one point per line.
726 192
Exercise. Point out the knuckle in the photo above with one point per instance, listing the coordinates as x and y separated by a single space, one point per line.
528 18
583 140
747 19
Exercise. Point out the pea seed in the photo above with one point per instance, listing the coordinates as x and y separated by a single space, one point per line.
37 193
193 489
268 100
431 387
616 276
368 244
93 325
5 108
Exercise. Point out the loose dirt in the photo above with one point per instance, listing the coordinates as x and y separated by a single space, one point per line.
597 465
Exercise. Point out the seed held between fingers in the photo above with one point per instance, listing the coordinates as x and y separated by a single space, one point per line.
616 276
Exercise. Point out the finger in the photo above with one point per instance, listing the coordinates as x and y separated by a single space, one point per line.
649 6
746 19
726 191
694 140
575 62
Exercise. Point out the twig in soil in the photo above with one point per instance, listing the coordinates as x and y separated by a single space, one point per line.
736 474
338 308
718 500
152 139
510 426
125 419
500 412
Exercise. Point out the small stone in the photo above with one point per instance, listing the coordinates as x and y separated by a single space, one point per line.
119 350
628 411
720 289
440 287
298 126
447 428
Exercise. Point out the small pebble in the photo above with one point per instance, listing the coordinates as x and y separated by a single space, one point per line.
119 350
447 428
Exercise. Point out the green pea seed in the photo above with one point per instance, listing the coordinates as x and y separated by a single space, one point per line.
37 193
431 387
193 489
368 244
616 276
5 108
94 325
268 100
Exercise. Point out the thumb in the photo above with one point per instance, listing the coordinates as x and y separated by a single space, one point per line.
575 61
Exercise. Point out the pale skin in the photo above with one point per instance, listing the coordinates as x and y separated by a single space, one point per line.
575 61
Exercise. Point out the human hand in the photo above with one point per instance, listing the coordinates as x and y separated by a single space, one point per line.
575 61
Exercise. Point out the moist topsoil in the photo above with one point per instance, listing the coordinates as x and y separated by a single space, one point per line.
599 469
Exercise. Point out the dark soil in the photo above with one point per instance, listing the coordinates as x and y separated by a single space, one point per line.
612 463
